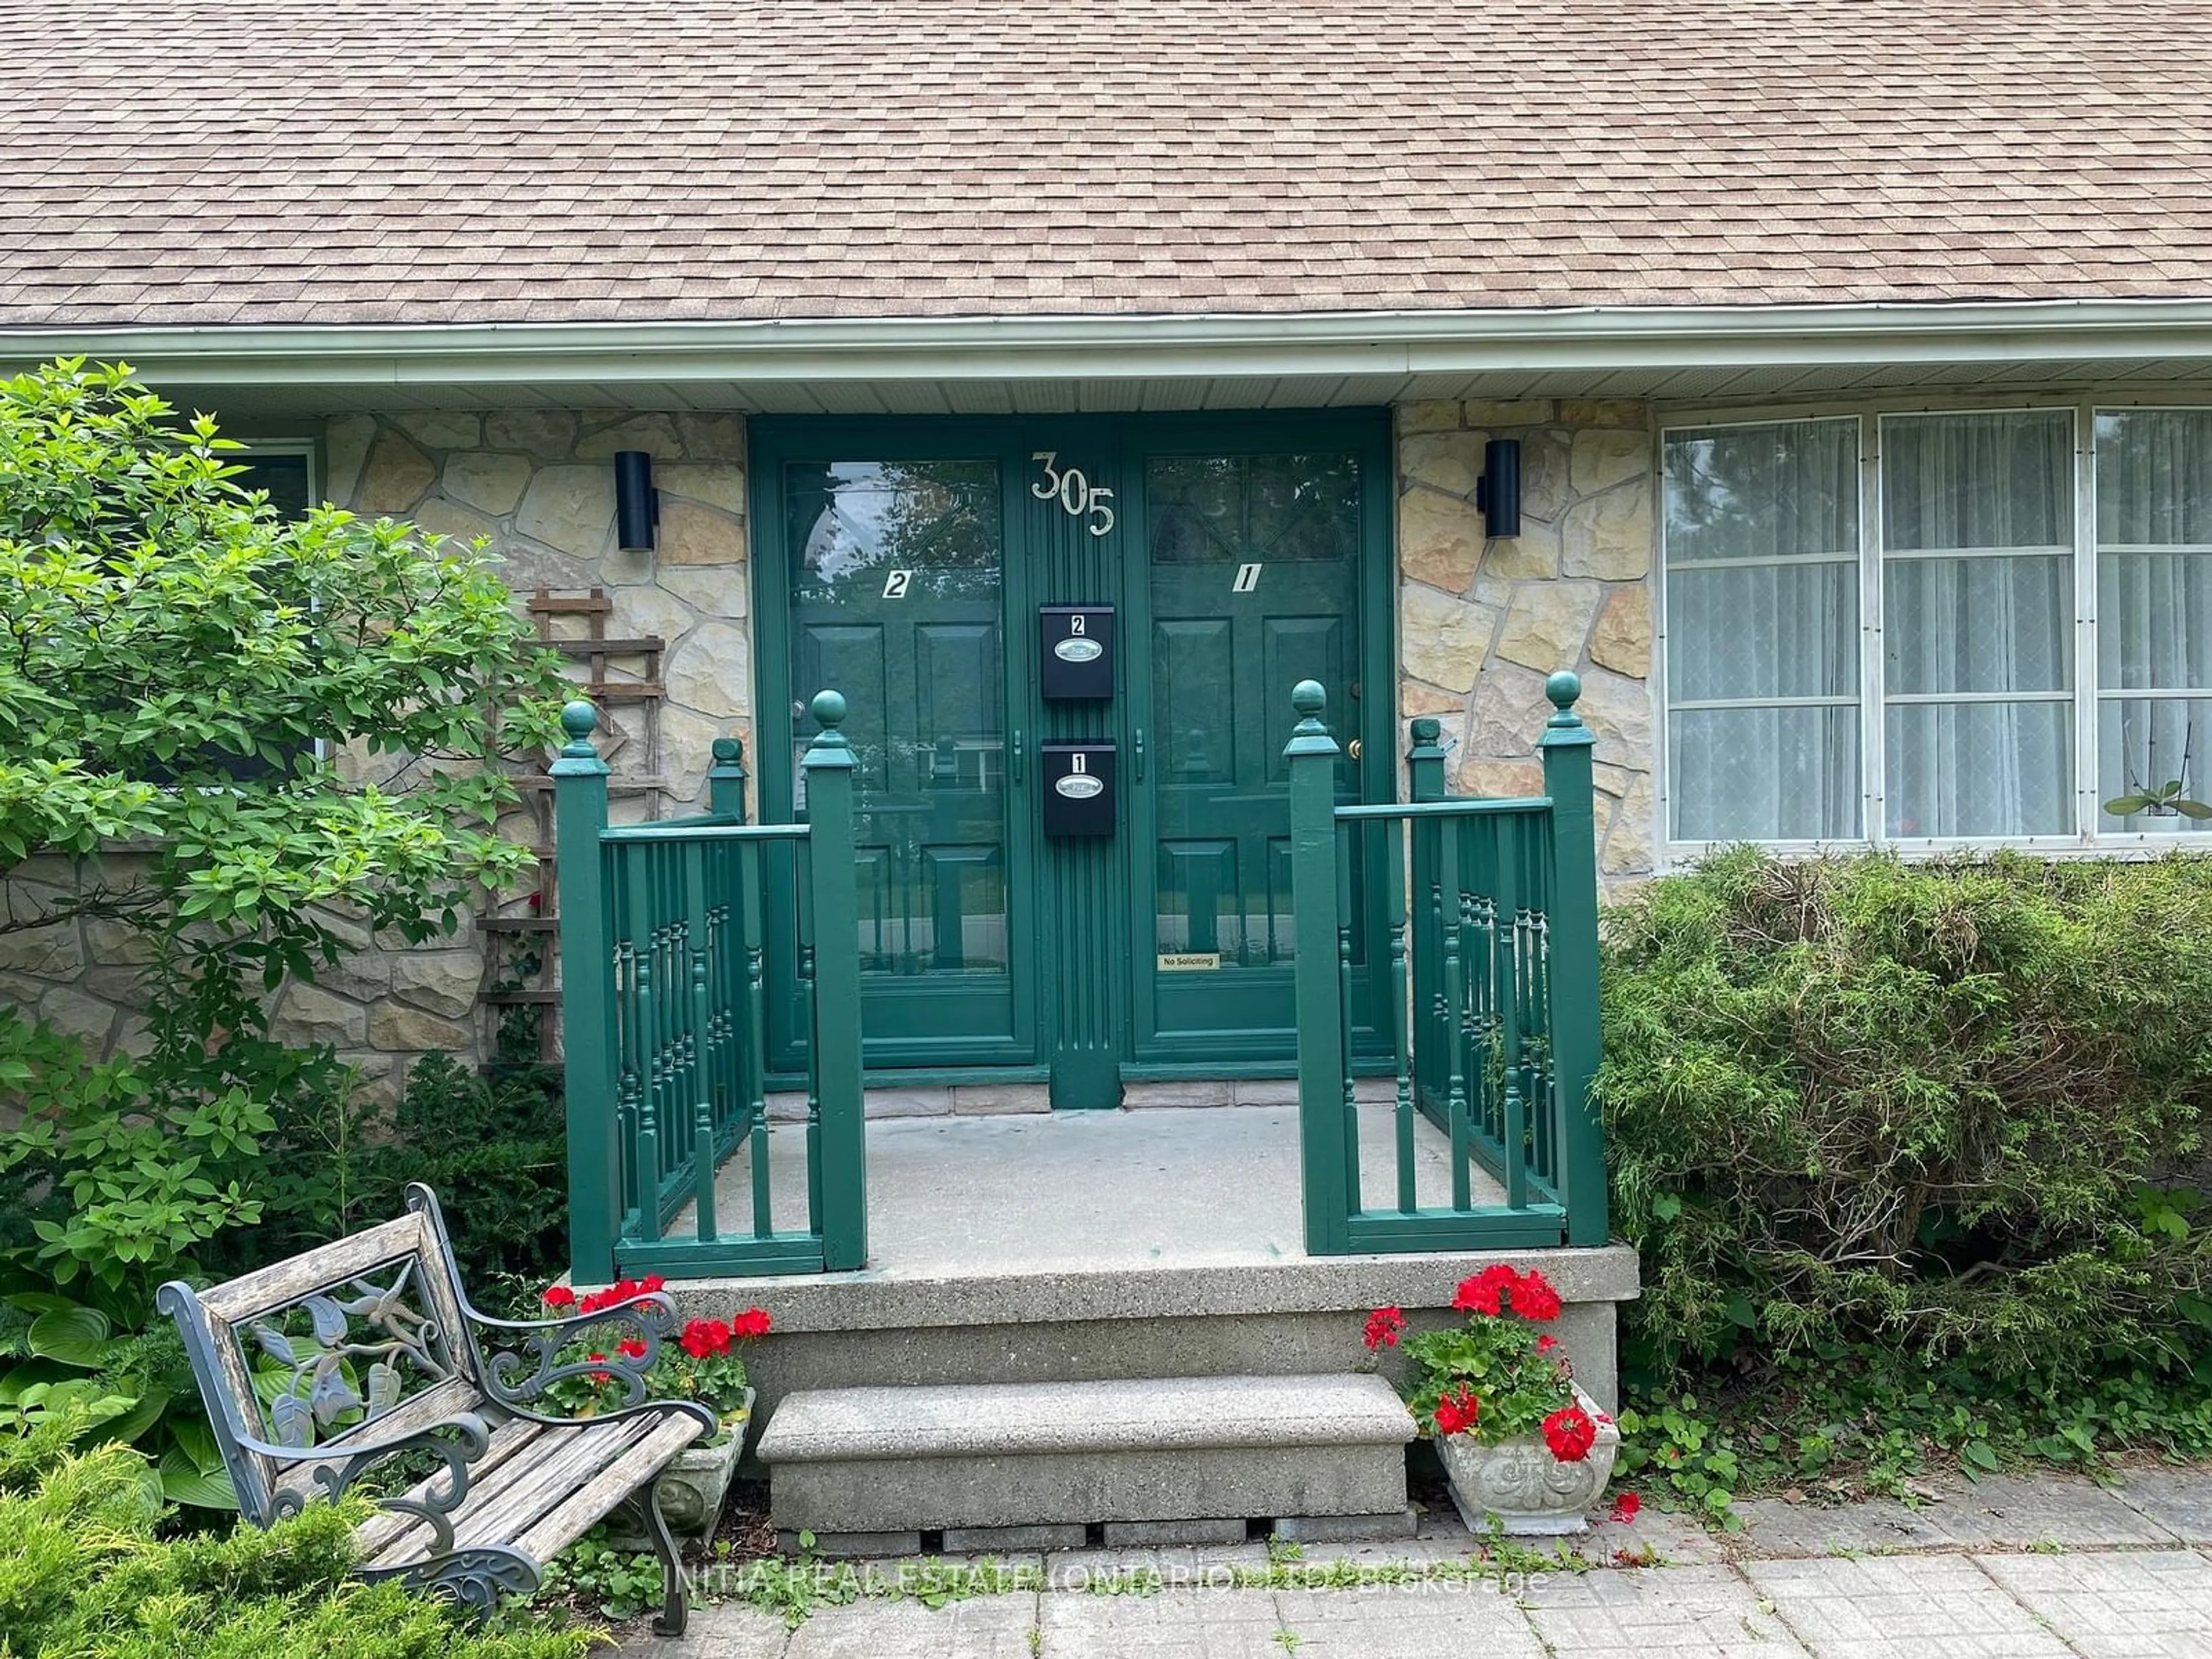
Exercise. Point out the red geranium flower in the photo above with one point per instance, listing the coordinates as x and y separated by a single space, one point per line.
560 1296
652 1282
1625 1508
630 1348
1547 1342
1384 1327
599 1376
1570 1434
1457 1411
753 1321
1485 1293
1534 1298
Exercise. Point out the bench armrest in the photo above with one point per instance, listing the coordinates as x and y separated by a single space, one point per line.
458 1440
514 1377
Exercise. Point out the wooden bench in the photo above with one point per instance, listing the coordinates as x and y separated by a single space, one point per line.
363 1364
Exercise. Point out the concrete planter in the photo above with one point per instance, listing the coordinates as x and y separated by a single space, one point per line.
692 1490
1531 1492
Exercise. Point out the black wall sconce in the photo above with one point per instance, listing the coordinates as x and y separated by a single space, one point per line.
1498 491
637 503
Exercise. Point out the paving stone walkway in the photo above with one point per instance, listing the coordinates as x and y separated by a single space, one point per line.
2010 1568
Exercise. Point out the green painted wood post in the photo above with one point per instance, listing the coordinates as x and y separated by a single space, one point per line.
1312 754
726 780
579 813
1566 744
836 1044
1424 761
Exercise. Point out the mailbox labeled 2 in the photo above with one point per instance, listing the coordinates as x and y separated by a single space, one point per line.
1079 788
1075 651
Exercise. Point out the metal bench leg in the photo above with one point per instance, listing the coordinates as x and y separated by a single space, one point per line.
675 1599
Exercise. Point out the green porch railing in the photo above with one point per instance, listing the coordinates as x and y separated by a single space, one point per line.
1485 989
665 1022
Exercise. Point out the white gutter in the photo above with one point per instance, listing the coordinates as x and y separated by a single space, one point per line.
1144 347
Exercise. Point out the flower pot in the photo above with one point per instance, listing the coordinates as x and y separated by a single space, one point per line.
1530 1492
692 1490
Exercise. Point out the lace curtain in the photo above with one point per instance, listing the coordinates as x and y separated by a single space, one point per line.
2154 611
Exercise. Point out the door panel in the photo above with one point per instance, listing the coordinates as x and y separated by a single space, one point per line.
1253 586
894 572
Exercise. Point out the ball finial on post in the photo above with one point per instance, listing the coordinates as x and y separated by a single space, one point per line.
1308 699
580 719
828 709
1562 687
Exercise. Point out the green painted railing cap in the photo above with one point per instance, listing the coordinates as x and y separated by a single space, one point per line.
829 747
1565 727
578 757
728 751
1309 736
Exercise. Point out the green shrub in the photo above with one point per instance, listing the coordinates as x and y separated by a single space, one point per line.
81 1572
1957 1107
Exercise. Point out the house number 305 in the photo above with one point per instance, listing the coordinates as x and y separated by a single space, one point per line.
1077 497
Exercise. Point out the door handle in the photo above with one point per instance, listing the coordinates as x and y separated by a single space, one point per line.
1018 754
1139 754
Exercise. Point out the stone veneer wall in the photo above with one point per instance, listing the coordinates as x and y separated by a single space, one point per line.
540 484
1481 623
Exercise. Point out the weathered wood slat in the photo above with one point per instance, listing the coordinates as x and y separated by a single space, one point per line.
508 1441
285 1282
560 1459
571 1519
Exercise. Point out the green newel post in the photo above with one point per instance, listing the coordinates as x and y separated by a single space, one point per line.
726 780
1424 761
1312 754
836 1045
1575 1032
579 813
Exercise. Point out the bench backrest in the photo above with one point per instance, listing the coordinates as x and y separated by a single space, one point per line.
362 1339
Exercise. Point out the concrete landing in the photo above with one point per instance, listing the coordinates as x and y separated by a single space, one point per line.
1209 1186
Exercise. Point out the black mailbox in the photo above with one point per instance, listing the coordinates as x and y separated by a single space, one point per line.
1076 650
1079 788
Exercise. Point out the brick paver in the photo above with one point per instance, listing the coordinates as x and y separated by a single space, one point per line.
1901 1605
2075 1573
2149 1604
1707 1611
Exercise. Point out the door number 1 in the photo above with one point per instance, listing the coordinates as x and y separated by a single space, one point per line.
1078 497
1248 579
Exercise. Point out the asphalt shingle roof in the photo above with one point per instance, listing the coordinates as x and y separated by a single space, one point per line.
410 161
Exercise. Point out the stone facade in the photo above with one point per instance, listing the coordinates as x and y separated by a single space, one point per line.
1481 623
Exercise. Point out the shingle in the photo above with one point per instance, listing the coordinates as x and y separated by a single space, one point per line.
403 161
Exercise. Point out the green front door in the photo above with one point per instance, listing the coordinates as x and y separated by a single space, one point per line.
1253 560
903 562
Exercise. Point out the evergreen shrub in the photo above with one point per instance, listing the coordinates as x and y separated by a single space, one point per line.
1957 1108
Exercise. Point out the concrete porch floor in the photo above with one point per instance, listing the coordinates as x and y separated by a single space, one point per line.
1186 1186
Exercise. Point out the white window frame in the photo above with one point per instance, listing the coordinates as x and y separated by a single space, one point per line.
2087 694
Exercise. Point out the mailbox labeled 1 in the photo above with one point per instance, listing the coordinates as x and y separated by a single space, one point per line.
1079 788
1075 650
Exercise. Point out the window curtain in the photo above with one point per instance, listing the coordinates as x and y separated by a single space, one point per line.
1761 549
2154 611
1978 514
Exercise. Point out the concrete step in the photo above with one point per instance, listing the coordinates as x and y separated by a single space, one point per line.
1147 1456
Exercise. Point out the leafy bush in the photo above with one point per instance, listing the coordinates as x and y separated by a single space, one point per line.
81 1572
1957 1107
300 720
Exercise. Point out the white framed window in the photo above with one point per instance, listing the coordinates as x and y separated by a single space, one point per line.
1935 627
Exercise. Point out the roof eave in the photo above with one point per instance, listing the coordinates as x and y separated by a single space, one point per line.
1150 345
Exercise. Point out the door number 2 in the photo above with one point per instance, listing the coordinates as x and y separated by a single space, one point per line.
1077 497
